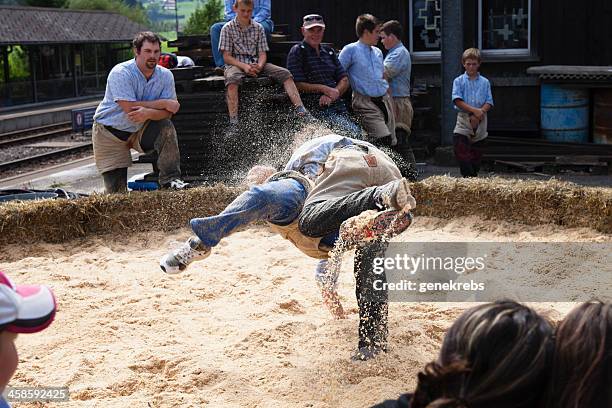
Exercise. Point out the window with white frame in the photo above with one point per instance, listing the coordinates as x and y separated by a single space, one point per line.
504 27
425 23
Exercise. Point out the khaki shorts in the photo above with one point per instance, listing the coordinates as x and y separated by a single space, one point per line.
112 153
234 75
351 169
373 119
403 113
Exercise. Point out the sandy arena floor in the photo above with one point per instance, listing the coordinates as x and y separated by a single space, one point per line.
245 327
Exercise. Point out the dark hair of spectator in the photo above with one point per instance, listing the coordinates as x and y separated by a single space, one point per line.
494 355
246 3
143 36
581 375
366 22
393 27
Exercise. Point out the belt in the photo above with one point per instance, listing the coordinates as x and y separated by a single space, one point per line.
378 101
121 134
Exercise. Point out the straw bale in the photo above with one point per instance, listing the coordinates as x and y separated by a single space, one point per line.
521 201
62 220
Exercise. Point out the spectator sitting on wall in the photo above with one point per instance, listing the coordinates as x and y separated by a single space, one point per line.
244 47
363 62
262 11
135 113
320 77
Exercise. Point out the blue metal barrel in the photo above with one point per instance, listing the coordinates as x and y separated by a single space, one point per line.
564 113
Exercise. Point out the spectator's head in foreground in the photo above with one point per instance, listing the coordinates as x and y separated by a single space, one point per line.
494 355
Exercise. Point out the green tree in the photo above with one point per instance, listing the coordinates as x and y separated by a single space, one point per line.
19 65
136 13
203 17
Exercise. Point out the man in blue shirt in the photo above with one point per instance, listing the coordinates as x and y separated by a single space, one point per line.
397 72
320 78
135 113
262 11
363 62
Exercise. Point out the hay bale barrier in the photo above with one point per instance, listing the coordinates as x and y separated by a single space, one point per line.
520 201
526 202
57 221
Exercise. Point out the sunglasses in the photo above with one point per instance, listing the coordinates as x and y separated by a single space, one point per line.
312 17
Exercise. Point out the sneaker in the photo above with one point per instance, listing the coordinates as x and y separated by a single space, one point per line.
177 260
366 353
176 184
372 226
395 194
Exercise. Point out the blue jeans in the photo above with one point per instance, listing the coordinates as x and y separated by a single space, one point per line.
279 202
335 116
215 36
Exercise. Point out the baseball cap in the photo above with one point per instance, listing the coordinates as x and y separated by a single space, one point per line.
313 20
25 308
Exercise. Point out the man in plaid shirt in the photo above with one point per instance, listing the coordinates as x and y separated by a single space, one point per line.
244 46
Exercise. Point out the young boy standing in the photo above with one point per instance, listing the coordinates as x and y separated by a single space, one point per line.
472 98
363 62
244 46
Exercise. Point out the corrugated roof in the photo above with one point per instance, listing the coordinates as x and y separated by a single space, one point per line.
572 72
37 25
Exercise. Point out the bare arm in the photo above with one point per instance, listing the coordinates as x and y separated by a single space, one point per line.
465 106
141 114
307 87
262 59
343 85
170 105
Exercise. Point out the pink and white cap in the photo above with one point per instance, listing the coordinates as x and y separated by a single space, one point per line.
25 309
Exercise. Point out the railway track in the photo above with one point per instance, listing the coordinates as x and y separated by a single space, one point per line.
35 134
42 158
40 147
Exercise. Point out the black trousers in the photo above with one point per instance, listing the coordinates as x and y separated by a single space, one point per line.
321 218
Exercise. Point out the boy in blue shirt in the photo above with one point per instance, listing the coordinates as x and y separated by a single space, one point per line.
472 98
363 62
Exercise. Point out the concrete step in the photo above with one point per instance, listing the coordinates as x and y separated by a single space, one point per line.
35 116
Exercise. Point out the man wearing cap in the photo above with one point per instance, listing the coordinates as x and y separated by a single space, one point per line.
363 61
320 77
23 309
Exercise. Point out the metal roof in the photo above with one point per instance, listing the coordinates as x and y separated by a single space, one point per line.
572 72
37 25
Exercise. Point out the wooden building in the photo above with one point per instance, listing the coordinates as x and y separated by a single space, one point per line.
49 54
513 35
